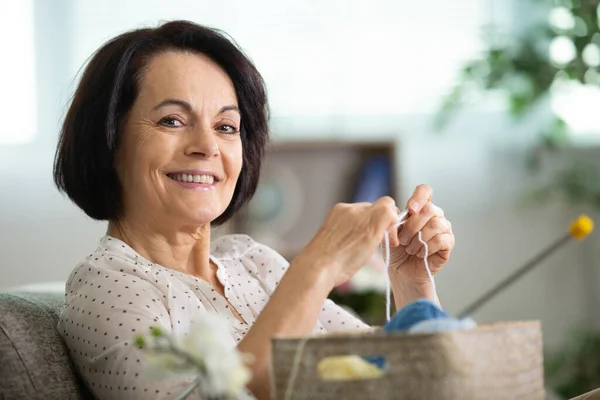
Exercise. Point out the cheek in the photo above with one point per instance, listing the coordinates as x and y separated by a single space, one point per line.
143 155
235 160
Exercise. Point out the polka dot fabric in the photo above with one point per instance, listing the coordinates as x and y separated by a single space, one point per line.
115 294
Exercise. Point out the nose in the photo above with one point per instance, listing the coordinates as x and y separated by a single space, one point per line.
203 143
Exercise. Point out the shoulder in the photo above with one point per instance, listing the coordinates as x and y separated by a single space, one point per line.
112 260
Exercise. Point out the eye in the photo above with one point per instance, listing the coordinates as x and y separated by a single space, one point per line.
171 122
230 129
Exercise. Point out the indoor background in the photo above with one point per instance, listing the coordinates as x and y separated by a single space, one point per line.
353 74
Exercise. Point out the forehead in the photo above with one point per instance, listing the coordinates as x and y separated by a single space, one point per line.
188 76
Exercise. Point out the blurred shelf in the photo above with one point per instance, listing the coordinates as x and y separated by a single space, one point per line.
302 180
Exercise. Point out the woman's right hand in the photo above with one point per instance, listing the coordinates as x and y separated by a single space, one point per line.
348 237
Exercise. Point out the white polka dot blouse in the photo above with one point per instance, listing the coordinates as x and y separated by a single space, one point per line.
116 294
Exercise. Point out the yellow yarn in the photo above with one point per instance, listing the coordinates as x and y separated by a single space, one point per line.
581 227
345 368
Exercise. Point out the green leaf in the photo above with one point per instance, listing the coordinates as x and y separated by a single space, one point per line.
574 368
519 104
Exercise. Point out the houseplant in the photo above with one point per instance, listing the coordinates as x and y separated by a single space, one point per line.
574 368
556 58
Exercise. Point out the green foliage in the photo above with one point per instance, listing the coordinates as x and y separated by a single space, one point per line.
574 369
369 306
522 69
578 185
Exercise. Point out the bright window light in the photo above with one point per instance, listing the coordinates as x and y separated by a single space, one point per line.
17 74
577 105
322 58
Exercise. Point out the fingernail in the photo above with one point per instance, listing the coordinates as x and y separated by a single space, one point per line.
403 240
421 253
414 206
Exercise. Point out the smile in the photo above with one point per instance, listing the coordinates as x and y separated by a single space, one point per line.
194 181
207 179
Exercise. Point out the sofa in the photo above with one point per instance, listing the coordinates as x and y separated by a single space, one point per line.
34 361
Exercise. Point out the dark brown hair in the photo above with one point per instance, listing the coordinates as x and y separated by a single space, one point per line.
84 160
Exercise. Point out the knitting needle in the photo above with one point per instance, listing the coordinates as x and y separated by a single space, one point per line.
579 229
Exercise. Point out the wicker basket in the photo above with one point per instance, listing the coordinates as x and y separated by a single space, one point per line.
496 361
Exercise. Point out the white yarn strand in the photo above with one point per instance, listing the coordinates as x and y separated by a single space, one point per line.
298 356
426 255
388 295
289 390
299 350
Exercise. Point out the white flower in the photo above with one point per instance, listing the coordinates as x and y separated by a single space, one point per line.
209 341
207 350
164 365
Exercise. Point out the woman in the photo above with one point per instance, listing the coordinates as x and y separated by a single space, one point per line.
164 139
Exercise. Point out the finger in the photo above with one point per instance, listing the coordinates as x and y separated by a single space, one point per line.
434 227
385 211
440 245
393 235
385 202
417 222
421 196
436 262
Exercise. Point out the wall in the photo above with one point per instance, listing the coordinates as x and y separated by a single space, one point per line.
42 235
476 169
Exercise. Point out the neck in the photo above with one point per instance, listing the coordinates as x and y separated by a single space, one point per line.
185 249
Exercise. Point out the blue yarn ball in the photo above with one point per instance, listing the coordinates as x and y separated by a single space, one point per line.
407 317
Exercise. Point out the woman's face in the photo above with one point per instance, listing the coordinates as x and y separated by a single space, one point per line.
180 154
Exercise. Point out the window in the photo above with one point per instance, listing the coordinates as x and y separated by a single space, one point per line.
323 58
359 58
17 73
577 105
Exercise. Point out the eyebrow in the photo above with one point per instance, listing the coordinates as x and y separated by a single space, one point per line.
174 102
229 108
188 107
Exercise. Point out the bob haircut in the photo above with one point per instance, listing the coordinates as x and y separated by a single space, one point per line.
84 160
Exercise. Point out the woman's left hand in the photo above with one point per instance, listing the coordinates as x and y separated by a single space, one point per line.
407 252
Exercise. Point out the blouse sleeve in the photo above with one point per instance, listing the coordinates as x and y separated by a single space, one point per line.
104 311
270 267
335 319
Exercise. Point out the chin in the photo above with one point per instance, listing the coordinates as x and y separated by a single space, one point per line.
202 217
195 212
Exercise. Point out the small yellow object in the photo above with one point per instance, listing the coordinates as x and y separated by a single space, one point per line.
345 368
581 227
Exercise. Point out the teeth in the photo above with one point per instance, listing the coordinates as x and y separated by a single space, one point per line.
209 179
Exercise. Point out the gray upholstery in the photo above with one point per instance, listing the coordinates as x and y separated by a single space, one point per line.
34 362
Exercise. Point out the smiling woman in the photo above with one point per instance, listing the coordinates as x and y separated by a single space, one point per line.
164 138
113 78
184 137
